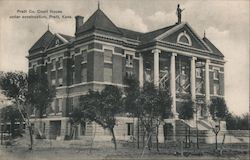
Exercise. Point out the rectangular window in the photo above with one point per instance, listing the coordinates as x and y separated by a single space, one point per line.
73 60
53 61
129 60
71 104
107 55
73 76
34 67
216 74
60 104
107 74
60 62
129 73
84 74
56 106
183 70
60 80
53 106
53 78
46 68
83 128
84 56
216 89
198 72
53 82
130 129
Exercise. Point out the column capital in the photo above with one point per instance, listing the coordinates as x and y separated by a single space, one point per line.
194 58
156 51
174 54
208 61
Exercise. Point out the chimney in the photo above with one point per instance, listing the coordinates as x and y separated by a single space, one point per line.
79 22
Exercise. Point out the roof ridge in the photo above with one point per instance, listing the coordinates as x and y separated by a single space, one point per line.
131 30
160 28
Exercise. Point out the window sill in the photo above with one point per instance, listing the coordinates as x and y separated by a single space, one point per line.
84 62
129 66
60 68
110 62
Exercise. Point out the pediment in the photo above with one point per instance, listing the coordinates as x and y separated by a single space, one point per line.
183 35
57 41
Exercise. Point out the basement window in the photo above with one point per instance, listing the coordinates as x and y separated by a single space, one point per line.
130 129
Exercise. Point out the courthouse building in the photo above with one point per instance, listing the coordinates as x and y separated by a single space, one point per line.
101 53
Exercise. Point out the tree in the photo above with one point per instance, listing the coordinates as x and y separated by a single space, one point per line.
14 86
102 107
26 91
40 94
76 117
235 122
12 115
218 108
186 112
152 105
132 92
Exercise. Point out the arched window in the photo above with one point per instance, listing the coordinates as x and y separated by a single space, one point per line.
57 42
183 38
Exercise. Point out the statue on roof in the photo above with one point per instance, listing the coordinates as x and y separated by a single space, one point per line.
178 12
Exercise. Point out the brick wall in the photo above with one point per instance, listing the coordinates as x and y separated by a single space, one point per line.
117 69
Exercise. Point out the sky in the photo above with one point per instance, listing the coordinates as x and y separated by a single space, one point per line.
226 23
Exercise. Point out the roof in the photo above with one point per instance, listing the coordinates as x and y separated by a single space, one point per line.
212 47
130 34
43 42
67 37
149 36
99 20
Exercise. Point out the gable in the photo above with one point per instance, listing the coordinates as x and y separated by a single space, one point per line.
183 35
57 41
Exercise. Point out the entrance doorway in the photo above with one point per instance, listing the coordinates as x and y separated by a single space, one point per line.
55 129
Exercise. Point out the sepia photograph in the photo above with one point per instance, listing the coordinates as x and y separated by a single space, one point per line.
124 79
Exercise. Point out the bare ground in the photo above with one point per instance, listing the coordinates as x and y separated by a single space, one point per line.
75 150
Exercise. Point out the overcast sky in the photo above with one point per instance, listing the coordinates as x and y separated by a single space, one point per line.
226 23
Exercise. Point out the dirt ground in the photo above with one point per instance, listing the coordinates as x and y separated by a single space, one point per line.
75 150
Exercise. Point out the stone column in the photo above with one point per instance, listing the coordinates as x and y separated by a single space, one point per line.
192 79
172 84
156 66
141 80
207 81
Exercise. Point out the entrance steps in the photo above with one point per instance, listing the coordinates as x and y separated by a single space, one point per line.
206 134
